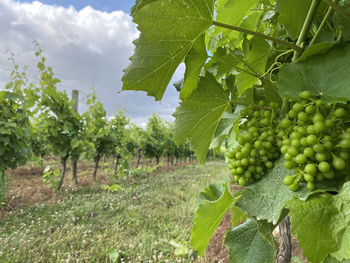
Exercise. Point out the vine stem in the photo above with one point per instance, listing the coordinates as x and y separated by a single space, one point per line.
257 34
338 9
329 12
306 27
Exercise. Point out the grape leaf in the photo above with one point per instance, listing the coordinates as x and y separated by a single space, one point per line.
292 15
232 13
222 63
237 215
326 75
256 55
169 30
319 48
330 259
266 202
194 63
224 128
329 218
198 116
246 244
211 208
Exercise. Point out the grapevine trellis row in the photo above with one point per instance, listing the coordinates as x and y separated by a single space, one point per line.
270 80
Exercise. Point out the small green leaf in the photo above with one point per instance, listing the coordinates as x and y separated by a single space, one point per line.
325 75
238 215
198 116
169 30
256 55
316 49
211 208
222 63
246 244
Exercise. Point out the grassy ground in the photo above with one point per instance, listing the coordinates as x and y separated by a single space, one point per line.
139 221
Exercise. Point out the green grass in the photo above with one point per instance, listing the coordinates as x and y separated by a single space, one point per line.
138 221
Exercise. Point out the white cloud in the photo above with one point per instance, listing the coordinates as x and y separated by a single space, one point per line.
85 48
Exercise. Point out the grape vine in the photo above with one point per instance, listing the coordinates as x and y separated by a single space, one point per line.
287 63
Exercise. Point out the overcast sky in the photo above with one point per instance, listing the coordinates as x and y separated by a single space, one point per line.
87 43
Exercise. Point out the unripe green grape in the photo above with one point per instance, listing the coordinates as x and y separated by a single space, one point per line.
267 145
340 112
242 181
303 141
310 129
245 151
310 186
239 170
264 158
338 163
310 168
253 129
302 116
288 157
308 152
318 103
318 148
245 162
344 144
319 127
301 130
251 168
324 167
317 117
258 144
305 94
247 174
289 165
288 180
259 169
310 109
252 160
300 159
265 121
320 177
294 187
239 156
264 135
262 152
292 113
297 107
344 155
329 123
241 140
295 135
286 142
285 123
321 157
253 153
269 164
271 138
230 155
292 151
308 178
257 176
284 149
296 143
329 175
328 145
311 139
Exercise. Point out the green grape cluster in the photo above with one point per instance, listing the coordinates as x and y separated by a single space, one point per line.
314 138
257 146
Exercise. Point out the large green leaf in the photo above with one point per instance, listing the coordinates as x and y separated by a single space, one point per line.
256 54
326 75
322 224
194 63
198 116
266 198
292 15
246 244
211 208
319 48
169 30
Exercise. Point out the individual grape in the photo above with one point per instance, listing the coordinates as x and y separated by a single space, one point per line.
300 159
340 112
288 180
242 181
338 163
294 187
308 178
311 139
310 186
305 94
310 168
324 167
